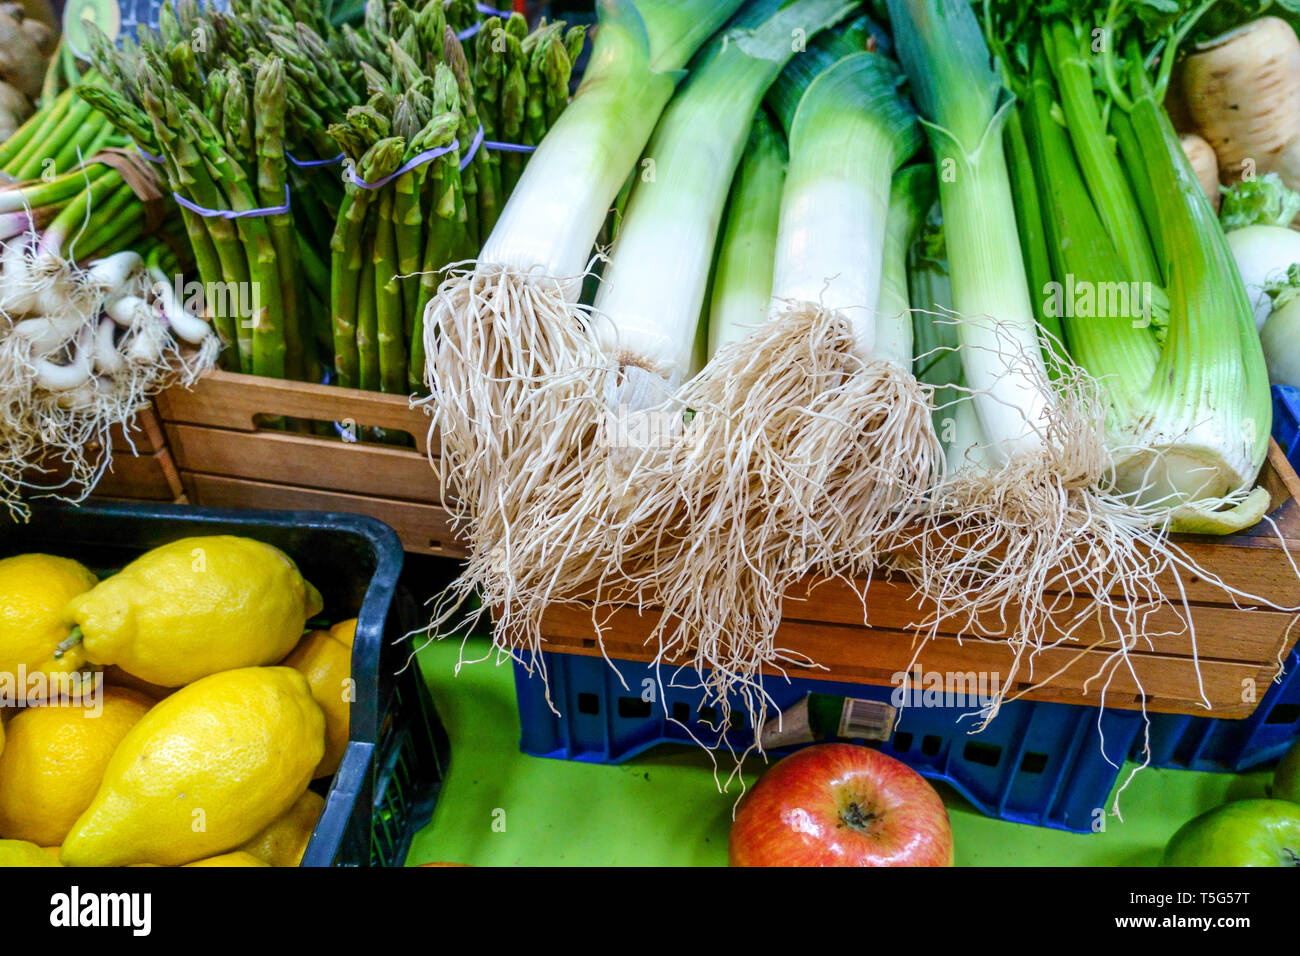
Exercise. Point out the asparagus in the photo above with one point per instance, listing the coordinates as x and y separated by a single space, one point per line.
269 109
389 337
348 262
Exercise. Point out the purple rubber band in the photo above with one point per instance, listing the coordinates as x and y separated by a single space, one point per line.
507 147
230 214
490 11
313 163
473 148
469 32
420 160
158 160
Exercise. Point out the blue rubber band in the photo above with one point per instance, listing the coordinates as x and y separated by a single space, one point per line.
473 148
420 160
470 32
507 147
313 163
490 11
158 160
231 214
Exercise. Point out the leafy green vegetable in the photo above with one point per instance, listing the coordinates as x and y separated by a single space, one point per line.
1264 201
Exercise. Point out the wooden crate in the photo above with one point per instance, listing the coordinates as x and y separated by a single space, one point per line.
228 456
1239 649
142 468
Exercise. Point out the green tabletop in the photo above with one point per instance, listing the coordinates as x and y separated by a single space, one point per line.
502 808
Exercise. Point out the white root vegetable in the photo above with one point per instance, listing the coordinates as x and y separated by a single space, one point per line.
1242 89
80 351
108 360
21 63
57 378
1263 255
1281 340
1206 164
188 327
125 309
45 334
14 110
114 272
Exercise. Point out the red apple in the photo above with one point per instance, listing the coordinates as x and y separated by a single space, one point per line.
841 805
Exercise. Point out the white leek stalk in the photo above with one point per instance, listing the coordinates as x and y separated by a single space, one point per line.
653 288
742 276
806 443
515 397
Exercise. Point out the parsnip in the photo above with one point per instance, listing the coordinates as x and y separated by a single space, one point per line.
1206 165
1243 91
14 110
22 65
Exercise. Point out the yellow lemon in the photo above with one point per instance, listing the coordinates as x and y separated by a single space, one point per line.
238 858
327 664
55 760
344 631
34 593
22 853
285 841
195 607
204 771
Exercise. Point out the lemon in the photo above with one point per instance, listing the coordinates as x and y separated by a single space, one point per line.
55 760
204 771
327 664
22 853
238 858
344 631
34 592
195 607
285 841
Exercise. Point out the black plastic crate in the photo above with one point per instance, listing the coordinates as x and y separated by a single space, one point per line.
397 758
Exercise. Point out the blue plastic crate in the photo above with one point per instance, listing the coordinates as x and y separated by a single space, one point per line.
1206 743
1036 763
1286 420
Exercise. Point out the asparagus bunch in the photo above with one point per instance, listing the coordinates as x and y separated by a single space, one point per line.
521 85
427 90
225 100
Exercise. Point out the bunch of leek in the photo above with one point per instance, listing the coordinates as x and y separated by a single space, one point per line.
510 353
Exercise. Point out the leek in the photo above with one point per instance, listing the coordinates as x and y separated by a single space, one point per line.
809 440
509 354
653 288
742 276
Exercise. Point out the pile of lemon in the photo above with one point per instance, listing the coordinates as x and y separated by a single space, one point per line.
173 714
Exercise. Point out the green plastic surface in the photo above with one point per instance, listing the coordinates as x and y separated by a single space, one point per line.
502 808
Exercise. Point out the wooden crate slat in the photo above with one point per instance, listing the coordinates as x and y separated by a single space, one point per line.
145 478
233 401
143 437
305 461
875 656
1224 633
423 528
